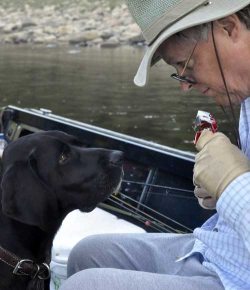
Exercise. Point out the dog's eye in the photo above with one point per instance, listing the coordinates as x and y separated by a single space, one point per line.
63 157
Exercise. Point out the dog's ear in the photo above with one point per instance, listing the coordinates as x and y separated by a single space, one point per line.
26 198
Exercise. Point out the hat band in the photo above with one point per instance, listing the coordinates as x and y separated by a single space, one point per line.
182 9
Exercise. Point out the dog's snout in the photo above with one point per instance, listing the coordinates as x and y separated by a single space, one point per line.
116 158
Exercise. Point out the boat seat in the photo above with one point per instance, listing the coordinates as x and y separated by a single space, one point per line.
75 227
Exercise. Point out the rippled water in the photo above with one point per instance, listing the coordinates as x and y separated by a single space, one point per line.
95 86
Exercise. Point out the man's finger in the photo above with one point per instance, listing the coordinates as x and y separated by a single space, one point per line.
204 138
207 203
204 198
201 192
207 136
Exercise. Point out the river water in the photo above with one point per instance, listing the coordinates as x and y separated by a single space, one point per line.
95 86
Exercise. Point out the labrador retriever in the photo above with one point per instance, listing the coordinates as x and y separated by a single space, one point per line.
45 176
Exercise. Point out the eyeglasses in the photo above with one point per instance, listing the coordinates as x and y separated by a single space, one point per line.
182 78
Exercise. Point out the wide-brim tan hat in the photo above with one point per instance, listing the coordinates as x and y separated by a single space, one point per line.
160 19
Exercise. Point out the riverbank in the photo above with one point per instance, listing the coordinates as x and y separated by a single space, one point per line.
75 23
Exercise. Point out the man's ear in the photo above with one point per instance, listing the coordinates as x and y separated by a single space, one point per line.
26 198
231 25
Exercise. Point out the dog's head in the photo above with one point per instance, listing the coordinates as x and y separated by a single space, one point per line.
46 175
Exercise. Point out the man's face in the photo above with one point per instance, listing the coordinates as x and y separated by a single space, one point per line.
203 66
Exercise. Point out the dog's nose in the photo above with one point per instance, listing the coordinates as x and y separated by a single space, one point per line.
116 158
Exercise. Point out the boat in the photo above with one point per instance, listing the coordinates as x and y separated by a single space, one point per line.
156 193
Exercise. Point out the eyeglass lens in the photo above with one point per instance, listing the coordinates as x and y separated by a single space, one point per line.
180 77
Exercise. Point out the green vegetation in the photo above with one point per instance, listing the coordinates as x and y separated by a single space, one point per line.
58 3
113 3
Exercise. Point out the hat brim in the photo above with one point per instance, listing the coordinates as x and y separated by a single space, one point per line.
216 9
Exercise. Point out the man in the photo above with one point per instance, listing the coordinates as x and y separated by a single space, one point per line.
208 42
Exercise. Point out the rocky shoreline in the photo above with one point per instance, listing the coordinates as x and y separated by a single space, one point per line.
73 25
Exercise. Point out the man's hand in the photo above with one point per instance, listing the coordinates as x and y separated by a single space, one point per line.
204 198
218 163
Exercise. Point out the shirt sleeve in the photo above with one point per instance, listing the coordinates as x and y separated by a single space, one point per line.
234 206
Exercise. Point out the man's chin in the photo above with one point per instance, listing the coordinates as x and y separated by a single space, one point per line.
225 101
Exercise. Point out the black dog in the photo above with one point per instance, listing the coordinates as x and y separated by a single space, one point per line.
44 177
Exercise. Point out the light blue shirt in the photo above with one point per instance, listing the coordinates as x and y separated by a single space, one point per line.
224 239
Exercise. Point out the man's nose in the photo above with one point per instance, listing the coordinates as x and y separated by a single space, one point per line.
185 87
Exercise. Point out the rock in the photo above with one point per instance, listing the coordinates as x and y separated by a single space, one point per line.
117 12
106 34
2 25
84 37
110 43
11 27
85 23
28 10
20 37
133 38
133 27
49 30
97 41
65 30
2 11
90 25
6 39
27 23
44 39
49 10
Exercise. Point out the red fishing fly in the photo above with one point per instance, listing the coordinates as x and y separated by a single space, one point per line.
204 120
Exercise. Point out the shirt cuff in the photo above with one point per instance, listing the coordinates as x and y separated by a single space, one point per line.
234 203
